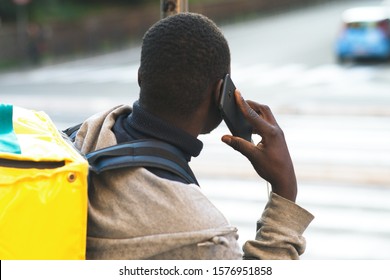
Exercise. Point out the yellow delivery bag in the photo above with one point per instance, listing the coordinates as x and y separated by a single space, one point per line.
43 189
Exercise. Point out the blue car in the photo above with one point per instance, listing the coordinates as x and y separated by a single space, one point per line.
365 34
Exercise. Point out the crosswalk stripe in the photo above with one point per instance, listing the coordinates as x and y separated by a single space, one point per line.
346 215
258 74
332 73
267 75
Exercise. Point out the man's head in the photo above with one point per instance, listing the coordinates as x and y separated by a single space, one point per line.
183 58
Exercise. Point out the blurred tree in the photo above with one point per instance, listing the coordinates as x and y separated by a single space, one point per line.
7 10
111 2
41 10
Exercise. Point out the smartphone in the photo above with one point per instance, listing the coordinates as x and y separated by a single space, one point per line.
231 113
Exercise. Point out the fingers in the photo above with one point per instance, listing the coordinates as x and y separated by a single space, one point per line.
263 110
258 115
239 144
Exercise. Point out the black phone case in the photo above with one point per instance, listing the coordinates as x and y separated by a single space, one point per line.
231 114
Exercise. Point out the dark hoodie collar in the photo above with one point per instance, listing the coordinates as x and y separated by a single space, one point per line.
146 125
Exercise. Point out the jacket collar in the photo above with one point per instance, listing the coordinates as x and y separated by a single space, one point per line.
143 124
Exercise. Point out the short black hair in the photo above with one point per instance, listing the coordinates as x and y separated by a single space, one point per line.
181 56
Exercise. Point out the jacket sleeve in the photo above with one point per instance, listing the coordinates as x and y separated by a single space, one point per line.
279 231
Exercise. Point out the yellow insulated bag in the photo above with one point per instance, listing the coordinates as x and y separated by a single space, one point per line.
43 189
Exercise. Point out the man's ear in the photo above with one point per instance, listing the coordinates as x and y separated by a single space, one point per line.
217 91
139 77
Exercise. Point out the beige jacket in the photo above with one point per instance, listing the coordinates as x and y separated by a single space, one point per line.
134 214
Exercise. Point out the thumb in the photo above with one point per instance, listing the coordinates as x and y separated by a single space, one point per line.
239 144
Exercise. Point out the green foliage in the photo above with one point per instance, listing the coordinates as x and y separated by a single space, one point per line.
110 2
48 10
7 10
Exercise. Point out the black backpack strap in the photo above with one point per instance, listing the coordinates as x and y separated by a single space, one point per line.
72 131
141 153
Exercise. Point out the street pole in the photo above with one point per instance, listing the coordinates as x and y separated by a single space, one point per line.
171 7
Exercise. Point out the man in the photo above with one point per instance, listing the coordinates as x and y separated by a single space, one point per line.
139 213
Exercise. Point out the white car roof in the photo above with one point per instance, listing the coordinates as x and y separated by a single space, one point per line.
366 14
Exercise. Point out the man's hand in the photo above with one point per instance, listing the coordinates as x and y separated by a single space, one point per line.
270 157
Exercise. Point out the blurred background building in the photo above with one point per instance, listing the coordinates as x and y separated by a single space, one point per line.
33 31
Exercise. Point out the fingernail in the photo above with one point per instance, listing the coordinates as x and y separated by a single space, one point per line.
226 139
